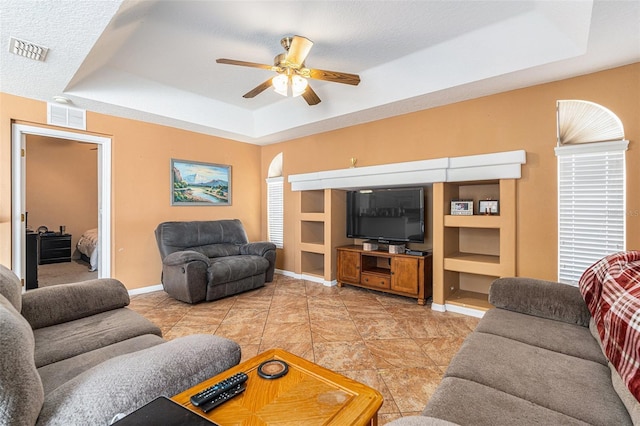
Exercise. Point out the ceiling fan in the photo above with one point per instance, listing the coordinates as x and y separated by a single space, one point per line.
292 73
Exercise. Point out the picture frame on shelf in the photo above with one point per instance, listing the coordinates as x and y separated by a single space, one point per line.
489 207
194 183
462 207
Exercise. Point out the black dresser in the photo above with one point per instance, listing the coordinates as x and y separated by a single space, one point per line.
31 261
54 248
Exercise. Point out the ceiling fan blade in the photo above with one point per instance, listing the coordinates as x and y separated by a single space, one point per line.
335 76
299 50
311 97
246 64
258 89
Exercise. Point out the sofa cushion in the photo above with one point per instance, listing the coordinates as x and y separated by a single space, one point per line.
466 402
217 291
569 339
546 299
233 268
218 250
21 392
127 382
572 386
178 236
72 338
58 373
10 287
56 304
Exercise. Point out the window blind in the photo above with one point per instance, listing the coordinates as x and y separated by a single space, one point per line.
275 210
591 205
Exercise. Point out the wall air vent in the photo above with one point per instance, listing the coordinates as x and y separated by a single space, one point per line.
28 49
59 115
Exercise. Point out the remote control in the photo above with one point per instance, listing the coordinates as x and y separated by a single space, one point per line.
223 397
211 392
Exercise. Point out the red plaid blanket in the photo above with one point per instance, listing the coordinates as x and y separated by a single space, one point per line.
611 289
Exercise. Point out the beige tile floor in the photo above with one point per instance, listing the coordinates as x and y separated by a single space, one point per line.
387 342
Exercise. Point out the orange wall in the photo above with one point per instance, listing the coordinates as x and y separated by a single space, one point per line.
519 119
61 185
141 157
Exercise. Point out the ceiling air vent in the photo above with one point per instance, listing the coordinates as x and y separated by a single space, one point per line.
59 115
28 49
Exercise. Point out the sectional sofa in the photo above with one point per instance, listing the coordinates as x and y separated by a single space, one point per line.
549 354
74 354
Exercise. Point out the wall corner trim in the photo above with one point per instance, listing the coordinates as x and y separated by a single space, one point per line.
498 165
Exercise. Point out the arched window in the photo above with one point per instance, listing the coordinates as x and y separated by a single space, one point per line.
275 202
591 186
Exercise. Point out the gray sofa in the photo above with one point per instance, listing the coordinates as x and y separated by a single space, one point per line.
531 360
73 354
209 260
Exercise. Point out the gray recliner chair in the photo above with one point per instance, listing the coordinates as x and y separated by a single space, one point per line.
209 260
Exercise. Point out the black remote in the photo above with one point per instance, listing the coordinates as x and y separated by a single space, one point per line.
211 392
223 397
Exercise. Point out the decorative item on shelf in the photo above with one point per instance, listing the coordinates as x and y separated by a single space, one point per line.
489 207
63 229
462 207
354 160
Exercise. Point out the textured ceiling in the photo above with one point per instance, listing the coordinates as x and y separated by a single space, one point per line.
155 60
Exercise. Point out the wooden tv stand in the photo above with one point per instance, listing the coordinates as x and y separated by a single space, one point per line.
401 274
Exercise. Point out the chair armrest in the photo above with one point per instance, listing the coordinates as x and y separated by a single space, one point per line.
257 248
124 383
57 304
545 299
184 275
178 258
266 250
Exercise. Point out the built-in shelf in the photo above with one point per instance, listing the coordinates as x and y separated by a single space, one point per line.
312 263
312 248
498 165
469 300
478 177
312 217
312 232
475 221
321 229
472 251
312 202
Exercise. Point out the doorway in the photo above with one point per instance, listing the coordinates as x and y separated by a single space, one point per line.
20 133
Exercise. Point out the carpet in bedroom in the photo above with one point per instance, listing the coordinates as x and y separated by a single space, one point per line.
63 273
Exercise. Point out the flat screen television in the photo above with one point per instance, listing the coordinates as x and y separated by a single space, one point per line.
386 215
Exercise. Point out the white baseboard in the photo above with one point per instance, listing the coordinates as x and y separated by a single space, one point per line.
288 273
457 309
464 310
438 307
147 289
313 278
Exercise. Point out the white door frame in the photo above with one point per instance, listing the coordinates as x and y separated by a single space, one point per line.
19 134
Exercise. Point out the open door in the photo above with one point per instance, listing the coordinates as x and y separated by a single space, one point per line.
19 135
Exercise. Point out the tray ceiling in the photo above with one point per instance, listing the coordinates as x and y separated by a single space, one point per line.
155 60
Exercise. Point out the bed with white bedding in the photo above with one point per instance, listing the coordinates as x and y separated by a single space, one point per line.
88 246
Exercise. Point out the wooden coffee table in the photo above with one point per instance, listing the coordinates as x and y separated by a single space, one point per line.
308 394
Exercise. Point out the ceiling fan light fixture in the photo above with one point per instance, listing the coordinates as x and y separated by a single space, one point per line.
298 85
280 84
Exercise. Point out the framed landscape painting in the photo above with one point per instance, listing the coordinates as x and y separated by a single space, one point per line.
200 184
